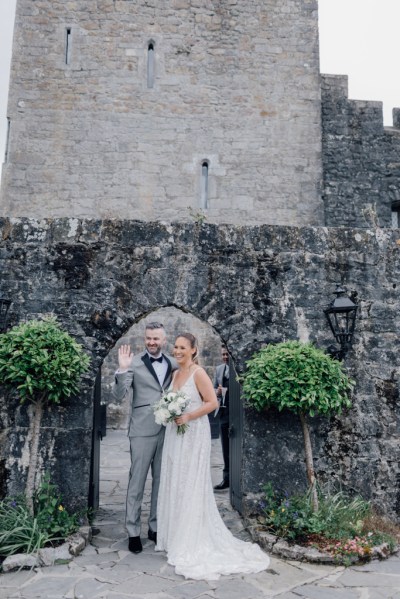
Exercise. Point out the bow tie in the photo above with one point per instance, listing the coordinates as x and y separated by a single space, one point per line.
156 359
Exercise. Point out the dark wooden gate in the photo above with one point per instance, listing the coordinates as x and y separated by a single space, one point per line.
99 431
235 439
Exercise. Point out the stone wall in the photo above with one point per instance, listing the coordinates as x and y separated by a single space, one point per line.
252 286
361 159
236 86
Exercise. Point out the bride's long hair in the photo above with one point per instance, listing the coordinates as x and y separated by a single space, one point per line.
193 344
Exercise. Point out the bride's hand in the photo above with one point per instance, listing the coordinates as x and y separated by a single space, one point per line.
184 419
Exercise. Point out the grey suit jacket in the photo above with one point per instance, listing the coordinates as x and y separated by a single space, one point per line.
146 391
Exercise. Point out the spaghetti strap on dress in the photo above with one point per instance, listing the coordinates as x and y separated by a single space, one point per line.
190 528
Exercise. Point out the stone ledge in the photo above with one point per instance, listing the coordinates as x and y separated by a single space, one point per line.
281 548
50 556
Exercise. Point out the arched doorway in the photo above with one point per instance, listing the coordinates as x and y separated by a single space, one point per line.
175 321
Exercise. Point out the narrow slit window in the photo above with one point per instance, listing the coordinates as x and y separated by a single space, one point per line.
7 151
68 45
204 185
150 65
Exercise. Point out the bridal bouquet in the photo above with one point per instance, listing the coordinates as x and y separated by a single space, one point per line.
171 405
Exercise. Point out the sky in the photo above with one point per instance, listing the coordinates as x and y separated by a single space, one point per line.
358 38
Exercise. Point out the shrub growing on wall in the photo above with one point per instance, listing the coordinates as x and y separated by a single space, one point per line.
301 378
44 364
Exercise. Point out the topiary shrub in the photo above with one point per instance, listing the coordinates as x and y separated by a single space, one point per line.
44 364
301 378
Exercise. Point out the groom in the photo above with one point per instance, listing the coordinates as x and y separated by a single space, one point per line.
148 374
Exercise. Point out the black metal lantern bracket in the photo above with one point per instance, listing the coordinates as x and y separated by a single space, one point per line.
341 317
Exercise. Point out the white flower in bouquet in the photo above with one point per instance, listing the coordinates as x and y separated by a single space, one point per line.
175 408
171 405
181 401
162 415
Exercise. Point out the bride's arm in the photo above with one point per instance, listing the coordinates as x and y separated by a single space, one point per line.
207 392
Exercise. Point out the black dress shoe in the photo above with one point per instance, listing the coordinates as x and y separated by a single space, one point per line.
222 485
135 544
152 536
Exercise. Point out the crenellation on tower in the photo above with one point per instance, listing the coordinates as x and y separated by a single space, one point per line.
396 118
360 158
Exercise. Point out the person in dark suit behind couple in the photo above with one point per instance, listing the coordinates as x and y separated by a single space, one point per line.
221 386
148 374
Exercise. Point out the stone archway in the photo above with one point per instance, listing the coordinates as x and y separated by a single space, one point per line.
118 413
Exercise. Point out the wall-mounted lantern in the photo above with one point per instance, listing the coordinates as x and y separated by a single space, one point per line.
341 316
4 307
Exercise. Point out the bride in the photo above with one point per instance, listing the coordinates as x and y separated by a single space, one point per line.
190 528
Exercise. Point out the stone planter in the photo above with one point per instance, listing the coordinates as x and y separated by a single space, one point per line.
281 548
50 556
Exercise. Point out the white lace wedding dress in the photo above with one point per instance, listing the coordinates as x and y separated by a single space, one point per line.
189 527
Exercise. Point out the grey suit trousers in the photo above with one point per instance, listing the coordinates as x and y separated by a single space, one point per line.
146 452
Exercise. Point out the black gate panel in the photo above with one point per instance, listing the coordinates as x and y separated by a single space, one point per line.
235 439
98 425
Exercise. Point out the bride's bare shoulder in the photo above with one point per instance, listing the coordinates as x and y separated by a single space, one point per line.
200 375
198 369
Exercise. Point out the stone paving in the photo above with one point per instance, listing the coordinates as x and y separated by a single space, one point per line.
107 570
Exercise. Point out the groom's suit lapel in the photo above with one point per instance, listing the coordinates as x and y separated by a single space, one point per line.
169 369
149 366
147 362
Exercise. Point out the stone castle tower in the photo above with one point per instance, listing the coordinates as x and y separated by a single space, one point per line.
159 110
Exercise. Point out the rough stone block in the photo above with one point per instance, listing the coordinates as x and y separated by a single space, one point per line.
19 560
